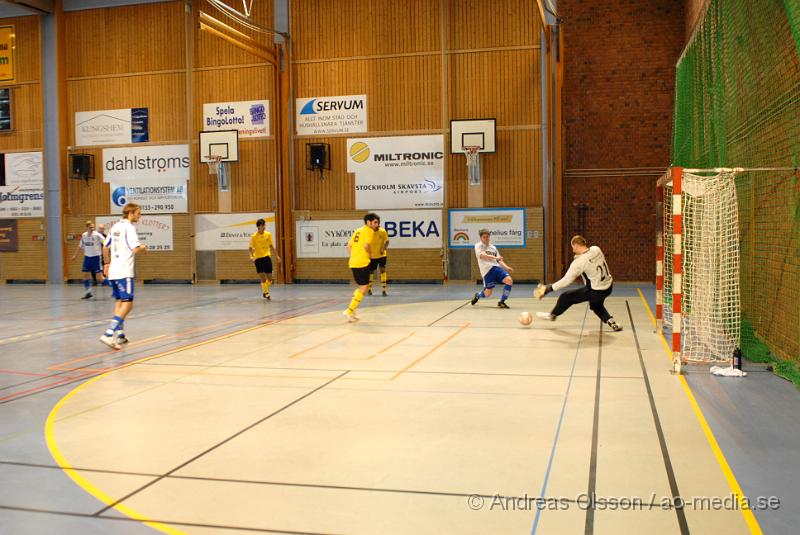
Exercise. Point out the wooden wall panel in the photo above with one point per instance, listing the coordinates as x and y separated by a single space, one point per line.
481 24
27 117
253 178
403 93
236 265
159 265
336 191
163 94
138 38
30 261
340 28
403 264
528 263
212 51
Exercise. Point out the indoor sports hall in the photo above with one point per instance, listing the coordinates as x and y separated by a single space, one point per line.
399 267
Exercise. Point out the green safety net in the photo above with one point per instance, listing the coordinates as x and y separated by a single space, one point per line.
737 104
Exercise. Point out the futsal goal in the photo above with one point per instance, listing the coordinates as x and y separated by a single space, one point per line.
697 264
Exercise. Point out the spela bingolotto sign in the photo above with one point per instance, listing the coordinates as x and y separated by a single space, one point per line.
7 54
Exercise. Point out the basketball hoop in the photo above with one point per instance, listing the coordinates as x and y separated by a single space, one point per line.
214 163
473 155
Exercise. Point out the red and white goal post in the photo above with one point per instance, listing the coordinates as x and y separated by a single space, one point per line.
697 264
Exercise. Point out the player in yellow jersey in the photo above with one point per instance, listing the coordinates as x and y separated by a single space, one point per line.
260 250
361 260
380 242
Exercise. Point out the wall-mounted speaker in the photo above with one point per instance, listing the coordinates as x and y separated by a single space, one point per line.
81 166
318 157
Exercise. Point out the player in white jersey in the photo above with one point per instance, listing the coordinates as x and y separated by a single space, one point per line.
493 270
119 253
92 244
590 265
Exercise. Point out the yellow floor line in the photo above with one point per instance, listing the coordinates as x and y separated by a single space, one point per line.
418 360
747 513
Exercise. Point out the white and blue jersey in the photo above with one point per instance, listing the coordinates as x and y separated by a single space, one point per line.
490 270
92 243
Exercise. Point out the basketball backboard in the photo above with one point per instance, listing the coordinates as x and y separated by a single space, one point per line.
224 143
472 133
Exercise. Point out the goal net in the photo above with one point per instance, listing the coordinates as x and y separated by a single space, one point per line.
706 288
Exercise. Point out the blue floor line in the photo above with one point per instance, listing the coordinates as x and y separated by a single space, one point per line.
558 429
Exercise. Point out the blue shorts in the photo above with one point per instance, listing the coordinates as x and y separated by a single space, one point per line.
92 264
122 289
495 276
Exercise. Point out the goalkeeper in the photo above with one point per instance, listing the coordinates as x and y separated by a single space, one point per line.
591 265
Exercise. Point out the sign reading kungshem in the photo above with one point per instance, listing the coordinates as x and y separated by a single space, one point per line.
160 164
249 117
331 115
111 127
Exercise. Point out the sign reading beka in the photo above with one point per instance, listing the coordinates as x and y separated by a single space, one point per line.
249 117
331 115
154 231
154 164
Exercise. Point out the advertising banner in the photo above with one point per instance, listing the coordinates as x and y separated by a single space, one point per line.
154 231
507 226
331 115
151 164
249 117
229 232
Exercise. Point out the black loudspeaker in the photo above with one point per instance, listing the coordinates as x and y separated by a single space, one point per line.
318 157
81 166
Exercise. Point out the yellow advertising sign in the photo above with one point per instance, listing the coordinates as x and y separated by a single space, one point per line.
7 53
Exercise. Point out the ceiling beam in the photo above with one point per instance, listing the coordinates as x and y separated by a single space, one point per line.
36 6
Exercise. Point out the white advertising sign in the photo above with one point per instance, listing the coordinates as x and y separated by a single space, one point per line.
154 231
229 232
249 117
153 199
407 229
154 164
22 196
111 127
391 153
400 188
507 226
24 169
331 115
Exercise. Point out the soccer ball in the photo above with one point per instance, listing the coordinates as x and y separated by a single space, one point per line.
525 318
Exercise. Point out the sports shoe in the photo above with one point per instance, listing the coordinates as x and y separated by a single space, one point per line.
474 299
352 318
122 339
545 316
369 292
383 293
110 342
266 296
87 296
502 304
614 326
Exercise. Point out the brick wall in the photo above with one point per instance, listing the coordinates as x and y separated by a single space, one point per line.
619 70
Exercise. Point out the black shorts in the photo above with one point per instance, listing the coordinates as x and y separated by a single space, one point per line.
264 265
361 275
377 262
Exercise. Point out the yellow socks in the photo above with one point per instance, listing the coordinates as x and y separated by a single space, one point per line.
357 297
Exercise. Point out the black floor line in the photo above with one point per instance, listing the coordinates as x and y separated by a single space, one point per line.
589 524
222 442
443 317
167 522
673 483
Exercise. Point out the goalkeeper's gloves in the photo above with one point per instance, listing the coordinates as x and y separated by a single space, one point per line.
542 290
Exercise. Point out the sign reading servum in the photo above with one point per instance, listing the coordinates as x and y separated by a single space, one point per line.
389 153
111 127
249 117
160 164
507 226
331 115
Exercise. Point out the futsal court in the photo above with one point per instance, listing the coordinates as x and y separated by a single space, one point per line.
428 416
